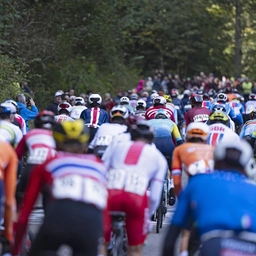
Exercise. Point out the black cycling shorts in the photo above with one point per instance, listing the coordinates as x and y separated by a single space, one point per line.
70 223
232 246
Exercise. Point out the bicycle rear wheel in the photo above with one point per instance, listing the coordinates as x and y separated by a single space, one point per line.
159 217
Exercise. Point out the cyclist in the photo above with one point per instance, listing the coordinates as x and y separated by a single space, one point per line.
194 156
8 170
133 100
197 113
40 145
64 110
185 102
174 96
125 101
18 120
206 101
210 201
108 131
78 108
132 166
251 101
94 116
219 128
141 108
165 130
79 193
158 102
11 132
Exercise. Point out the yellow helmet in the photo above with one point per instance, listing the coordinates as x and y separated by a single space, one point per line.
69 131
168 98
218 117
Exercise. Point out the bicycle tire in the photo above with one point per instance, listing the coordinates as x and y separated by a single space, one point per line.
158 218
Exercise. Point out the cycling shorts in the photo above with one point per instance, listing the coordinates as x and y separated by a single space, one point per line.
165 146
75 224
137 214
228 246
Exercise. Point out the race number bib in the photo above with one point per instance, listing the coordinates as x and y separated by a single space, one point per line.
38 156
79 188
130 181
200 118
104 140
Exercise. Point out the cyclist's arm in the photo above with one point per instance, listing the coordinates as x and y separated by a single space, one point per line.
38 177
242 132
176 134
10 175
21 148
236 118
176 171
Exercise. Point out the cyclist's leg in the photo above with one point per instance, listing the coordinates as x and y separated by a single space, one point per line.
135 250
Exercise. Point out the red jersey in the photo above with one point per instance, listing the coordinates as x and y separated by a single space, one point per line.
150 113
197 114
39 143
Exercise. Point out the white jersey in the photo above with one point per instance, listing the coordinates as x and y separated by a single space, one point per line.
219 132
133 165
63 117
250 103
76 111
106 133
11 132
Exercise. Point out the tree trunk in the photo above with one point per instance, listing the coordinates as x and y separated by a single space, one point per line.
238 38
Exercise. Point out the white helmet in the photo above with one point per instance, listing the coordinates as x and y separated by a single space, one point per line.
14 103
119 110
250 109
197 130
221 97
95 98
154 95
125 100
141 103
10 106
79 100
235 152
159 100
65 106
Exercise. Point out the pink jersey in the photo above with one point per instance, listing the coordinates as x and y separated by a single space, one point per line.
39 143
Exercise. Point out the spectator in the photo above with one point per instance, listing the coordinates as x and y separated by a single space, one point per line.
108 103
149 84
72 100
118 97
247 87
25 113
156 83
54 104
140 85
71 92
24 87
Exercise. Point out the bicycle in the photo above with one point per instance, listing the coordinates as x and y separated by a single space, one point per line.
118 243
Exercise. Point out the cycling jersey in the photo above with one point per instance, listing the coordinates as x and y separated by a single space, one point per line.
219 132
40 144
79 178
238 107
133 104
8 173
222 200
248 128
94 117
11 132
206 104
21 122
132 167
76 111
197 114
150 113
63 117
250 103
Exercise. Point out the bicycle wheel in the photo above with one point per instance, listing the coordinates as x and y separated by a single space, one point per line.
159 216
162 214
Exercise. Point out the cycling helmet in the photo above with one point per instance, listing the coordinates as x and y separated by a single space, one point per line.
8 107
196 99
250 109
79 101
95 99
159 100
124 100
174 93
221 97
218 117
45 119
212 93
235 152
200 92
119 111
14 103
250 169
134 96
197 130
206 96
219 107
187 92
162 114
65 106
168 98
141 103
70 132
141 129
153 96
252 96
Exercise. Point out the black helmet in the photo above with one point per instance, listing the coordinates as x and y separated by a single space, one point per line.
141 129
45 119
196 99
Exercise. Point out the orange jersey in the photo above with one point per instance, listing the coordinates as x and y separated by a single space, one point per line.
8 173
193 158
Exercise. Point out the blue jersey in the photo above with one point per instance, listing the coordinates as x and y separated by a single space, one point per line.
222 200
94 117
248 128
